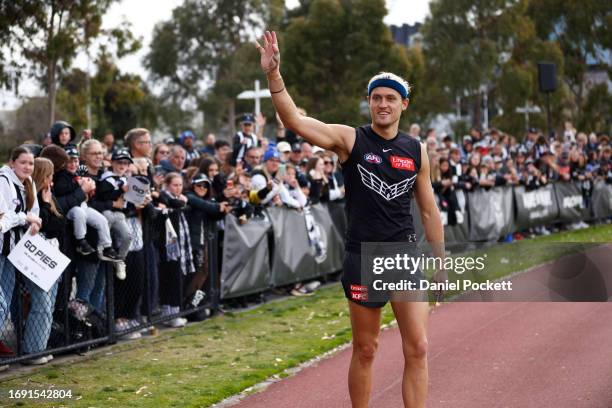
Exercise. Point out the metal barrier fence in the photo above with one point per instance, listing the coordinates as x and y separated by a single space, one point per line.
78 325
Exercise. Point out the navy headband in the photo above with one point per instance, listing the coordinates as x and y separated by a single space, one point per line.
388 83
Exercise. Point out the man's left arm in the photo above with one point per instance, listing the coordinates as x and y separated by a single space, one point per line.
430 215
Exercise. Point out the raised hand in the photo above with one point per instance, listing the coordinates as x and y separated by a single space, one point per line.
270 54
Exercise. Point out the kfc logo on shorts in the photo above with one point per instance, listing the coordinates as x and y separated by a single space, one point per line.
359 296
359 292
402 163
372 158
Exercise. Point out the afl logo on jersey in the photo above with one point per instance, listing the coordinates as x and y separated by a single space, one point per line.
372 158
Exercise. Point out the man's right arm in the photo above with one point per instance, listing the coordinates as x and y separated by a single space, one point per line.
338 138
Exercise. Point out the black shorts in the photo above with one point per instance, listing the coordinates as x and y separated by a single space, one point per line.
358 288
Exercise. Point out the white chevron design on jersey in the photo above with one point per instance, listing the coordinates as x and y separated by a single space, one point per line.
388 192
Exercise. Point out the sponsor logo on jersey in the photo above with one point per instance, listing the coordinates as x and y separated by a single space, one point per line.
359 288
402 163
372 158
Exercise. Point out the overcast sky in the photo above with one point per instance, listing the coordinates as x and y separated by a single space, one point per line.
143 15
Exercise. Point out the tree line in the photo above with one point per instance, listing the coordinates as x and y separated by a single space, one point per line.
202 56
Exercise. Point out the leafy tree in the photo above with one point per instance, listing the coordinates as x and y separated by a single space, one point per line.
518 81
119 101
48 35
464 40
596 110
329 55
200 56
581 28
31 123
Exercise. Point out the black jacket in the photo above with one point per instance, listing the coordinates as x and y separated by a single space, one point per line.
56 128
175 208
67 191
52 225
200 212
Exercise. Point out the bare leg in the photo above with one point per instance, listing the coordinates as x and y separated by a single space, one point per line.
365 324
412 321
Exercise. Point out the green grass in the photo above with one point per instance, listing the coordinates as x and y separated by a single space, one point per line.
209 361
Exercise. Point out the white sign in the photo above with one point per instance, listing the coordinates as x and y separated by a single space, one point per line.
137 191
38 260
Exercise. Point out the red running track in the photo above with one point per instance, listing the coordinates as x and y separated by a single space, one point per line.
484 354
481 355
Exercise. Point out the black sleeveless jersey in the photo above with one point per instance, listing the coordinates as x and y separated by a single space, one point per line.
378 177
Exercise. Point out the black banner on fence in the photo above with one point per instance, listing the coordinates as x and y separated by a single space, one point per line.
334 240
293 260
246 267
570 201
491 213
601 200
536 207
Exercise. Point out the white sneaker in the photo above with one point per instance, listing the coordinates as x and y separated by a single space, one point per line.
120 270
35 361
176 322
312 286
132 336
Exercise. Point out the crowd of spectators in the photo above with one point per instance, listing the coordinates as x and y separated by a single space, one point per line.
493 158
73 192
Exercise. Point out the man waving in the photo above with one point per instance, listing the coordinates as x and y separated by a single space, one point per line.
381 168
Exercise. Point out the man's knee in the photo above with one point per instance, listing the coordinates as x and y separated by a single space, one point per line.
416 348
365 351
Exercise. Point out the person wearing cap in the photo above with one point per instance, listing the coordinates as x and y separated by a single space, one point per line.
295 158
264 187
530 139
382 168
548 166
296 154
245 138
285 151
72 193
186 139
201 214
113 184
466 146
62 134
